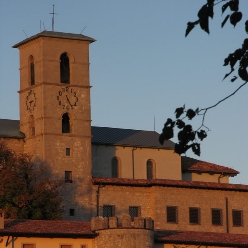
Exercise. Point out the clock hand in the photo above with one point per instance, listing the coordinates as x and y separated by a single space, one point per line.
68 100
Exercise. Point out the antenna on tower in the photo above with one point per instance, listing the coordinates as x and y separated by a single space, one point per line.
83 29
154 122
53 13
25 33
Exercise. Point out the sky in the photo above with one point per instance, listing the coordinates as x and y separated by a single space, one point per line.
142 67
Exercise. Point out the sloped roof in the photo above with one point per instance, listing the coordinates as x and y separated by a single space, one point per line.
10 129
128 137
47 228
169 183
203 238
194 165
53 34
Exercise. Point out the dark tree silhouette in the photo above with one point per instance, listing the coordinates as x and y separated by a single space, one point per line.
189 137
26 188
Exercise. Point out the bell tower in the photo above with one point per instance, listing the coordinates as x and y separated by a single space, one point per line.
55 112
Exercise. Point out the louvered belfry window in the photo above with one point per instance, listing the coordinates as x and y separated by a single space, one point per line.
64 69
237 216
194 215
134 211
115 168
108 210
149 169
172 214
217 217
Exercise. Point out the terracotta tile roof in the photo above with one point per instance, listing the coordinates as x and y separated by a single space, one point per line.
190 165
128 137
203 238
10 129
53 34
169 183
45 228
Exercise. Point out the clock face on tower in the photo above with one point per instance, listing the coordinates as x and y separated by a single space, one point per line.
67 98
31 100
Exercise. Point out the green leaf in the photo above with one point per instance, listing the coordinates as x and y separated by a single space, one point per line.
246 26
168 122
166 134
225 20
235 18
190 114
204 24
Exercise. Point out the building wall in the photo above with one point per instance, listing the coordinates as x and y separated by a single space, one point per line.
160 245
14 144
18 242
153 202
204 177
167 163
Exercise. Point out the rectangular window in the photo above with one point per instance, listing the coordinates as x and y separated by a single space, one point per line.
83 246
217 217
108 210
194 216
68 151
134 211
28 246
68 176
66 246
33 131
237 216
172 213
72 211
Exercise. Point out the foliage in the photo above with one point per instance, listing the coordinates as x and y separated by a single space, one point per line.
188 137
26 190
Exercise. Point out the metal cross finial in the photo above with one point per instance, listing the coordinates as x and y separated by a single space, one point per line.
53 13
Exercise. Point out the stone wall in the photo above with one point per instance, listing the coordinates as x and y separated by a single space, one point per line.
114 233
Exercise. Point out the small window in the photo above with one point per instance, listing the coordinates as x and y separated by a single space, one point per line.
28 246
66 246
134 211
65 123
83 246
68 176
108 210
172 213
31 70
72 211
68 151
194 216
115 168
217 217
237 216
64 69
149 169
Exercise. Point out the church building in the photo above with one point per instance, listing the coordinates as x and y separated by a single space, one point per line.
135 191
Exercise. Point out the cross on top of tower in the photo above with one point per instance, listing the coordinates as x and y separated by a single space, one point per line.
53 13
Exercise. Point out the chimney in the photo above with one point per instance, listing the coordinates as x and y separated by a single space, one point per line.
1 219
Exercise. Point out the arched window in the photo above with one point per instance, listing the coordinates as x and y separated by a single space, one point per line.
115 168
149 169
31 70
66 123
64 69
31 126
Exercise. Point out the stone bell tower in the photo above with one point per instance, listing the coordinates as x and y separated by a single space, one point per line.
55 112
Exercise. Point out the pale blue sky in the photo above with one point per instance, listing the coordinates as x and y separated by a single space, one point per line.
142 66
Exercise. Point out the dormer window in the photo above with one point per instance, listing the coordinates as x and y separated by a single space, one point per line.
64 69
